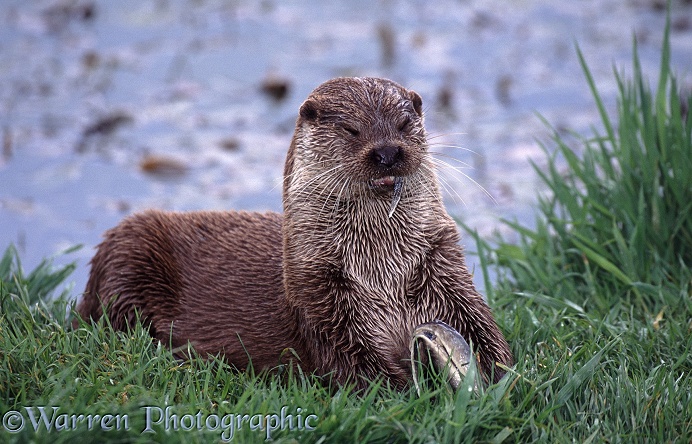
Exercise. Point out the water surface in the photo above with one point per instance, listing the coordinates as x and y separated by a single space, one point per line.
108 108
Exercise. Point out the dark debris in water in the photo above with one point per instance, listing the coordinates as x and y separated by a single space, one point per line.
445 95
503 89
230 144
103 126
59 15
162 167
387 39
276 88
91 60
108 124
6 143
682 24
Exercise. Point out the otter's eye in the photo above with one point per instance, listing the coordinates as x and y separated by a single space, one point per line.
352 131
404 124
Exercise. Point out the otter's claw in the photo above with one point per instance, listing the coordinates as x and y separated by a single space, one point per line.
444 346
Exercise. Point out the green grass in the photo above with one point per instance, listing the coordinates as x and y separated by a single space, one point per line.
596 301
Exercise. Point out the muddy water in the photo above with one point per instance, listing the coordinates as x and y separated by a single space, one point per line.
107 108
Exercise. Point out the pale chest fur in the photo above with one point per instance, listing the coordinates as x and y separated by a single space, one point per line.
382 265
370 269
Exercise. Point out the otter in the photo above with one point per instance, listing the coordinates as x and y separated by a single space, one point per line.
364 252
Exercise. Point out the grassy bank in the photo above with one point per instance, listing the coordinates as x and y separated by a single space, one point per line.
595 300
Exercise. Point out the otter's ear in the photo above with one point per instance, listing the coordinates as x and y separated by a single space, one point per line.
309 110
417 103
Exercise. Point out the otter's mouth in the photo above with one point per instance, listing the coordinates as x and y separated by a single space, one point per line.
396 183
384 182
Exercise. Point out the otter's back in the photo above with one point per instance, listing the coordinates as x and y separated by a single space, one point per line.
213 278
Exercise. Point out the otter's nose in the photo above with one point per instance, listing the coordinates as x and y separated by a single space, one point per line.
386 156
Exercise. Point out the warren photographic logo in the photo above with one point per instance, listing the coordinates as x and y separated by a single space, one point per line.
157 419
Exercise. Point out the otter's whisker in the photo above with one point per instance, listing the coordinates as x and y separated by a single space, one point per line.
345 185
301 190
457 170
428 187
451 190
328 187
444 184
290 176
432 192
456 147
463 164
437 136
331 186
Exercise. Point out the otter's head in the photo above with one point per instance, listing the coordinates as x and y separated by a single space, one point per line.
357 138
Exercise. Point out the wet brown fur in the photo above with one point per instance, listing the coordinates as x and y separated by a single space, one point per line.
335 279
